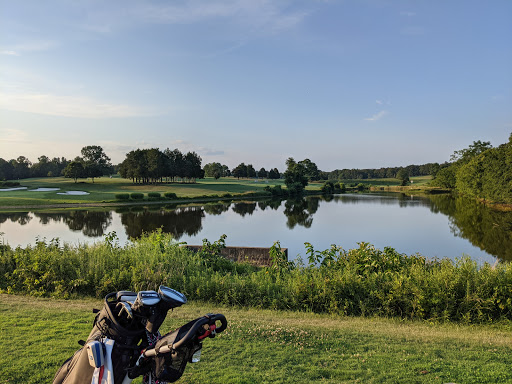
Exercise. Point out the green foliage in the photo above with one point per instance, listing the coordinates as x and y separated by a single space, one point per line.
137 195
445 178
328 187
276 190
122 196
362 281
295 176
488 176
154 195
170 195
403 176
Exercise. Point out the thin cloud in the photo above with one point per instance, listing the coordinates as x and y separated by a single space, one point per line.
82 107
9 53
13 135
377 117
407 13
260 14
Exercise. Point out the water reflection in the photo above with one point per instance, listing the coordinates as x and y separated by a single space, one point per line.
301 211
22 218
176 222
489 230
244 208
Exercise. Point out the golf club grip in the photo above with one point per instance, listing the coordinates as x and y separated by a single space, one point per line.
192 333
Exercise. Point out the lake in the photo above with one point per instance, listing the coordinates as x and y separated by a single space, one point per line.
438 226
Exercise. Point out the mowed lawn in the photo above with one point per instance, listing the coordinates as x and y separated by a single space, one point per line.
104 189
262 346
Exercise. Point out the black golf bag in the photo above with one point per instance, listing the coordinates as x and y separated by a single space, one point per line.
131 321
78 370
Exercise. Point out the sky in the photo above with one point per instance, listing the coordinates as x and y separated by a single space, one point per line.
347 84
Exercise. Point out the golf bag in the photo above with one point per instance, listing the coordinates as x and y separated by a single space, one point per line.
125 343
78 369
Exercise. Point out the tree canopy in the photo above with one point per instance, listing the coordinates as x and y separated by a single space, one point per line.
152 166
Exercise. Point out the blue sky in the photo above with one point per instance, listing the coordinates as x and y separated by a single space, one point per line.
347 84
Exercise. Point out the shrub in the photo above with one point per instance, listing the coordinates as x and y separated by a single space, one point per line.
154 195
122 196
170 195
137 195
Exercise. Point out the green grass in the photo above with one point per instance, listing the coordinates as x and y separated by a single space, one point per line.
104 189
262 346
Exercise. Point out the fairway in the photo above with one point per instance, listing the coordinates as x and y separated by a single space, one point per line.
104 189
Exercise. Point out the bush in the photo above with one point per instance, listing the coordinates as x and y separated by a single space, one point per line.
170 195
137 195
9 184
122 196
154 195
362 281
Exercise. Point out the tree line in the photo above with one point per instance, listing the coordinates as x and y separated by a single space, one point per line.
480 171
93 163
385 172
145 166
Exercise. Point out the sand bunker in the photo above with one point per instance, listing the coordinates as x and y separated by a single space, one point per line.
12 189
75 193
44 190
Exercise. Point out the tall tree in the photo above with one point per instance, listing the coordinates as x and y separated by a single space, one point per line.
251 172
262 173
295 177
240 171
96 162
75 170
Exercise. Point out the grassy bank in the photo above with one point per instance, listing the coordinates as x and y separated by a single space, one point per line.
362 281
262 346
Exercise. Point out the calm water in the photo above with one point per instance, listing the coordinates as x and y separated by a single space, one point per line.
436 227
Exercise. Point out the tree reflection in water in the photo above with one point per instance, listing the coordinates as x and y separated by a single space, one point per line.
300 211
487 229
176 222
90 223
244 208
22 218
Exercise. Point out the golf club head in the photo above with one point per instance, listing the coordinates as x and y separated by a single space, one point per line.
170 297
145 303
128 296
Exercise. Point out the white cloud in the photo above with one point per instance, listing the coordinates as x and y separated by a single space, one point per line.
9 53
378 116
379 102
13 135
82 107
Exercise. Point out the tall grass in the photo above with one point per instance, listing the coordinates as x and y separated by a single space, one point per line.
363 281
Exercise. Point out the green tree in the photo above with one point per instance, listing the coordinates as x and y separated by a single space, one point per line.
240 171
215 170
312 172
251 172
403 176
295 177
274 174
74 170
96 162
262 173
